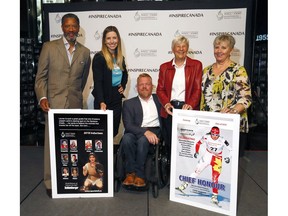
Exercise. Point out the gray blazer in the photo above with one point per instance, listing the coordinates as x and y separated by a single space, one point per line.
61 83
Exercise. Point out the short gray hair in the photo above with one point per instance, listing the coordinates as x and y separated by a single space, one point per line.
180 39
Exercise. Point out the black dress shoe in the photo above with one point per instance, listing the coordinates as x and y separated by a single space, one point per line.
49 192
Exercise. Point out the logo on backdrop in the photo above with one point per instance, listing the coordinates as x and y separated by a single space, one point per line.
97 35
229 14
188 34
137 53
58 18
220 15
145 52
236 53
145 16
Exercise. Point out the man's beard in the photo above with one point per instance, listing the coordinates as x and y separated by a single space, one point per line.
71 39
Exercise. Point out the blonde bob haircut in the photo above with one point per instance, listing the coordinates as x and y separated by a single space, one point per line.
225 37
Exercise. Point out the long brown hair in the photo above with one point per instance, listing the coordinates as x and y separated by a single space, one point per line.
118 54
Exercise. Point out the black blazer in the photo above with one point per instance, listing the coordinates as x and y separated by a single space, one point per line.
102 77
132 115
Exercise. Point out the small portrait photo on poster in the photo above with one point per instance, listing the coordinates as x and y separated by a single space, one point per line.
64 145
98 145
64 159
73 145
88 145
74 172
65 172
74 158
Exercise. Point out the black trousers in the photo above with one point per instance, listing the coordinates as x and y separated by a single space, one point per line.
242 143
114 103
116 106
167 133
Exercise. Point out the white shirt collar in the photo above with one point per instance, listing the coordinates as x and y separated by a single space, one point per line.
174 64
67 45
151 97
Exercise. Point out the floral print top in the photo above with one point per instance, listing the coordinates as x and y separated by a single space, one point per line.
225 90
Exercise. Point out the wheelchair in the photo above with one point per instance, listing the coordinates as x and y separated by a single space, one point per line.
157 168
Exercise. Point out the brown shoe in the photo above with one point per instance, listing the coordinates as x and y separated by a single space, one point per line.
129 180
139 182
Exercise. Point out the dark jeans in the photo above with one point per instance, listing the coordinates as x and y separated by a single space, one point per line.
136 151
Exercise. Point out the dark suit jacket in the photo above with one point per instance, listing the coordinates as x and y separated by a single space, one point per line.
193 79
102 77
133 115
61 83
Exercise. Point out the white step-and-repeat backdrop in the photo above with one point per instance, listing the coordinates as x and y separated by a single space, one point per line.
147 36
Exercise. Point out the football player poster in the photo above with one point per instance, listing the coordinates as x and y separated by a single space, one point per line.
79 167
204 160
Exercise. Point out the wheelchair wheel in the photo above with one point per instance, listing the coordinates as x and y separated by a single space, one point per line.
119 171
164 169
155 190
117 185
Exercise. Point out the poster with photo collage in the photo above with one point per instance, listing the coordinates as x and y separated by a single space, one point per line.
81 153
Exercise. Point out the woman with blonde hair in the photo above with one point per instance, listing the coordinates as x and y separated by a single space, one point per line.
110 75
226 86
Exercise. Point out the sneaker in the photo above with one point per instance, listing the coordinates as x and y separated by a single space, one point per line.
182 187
214 199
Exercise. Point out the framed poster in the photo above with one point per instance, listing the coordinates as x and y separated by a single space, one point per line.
81 153
204 160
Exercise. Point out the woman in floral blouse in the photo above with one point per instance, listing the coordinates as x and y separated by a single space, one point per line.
226 86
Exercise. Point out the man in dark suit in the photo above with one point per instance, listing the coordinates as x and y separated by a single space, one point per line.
141 119
63 70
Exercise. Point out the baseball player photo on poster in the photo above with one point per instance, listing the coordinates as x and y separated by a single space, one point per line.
79 169
204 160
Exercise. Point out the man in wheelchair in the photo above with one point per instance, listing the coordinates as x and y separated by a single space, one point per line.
141 119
